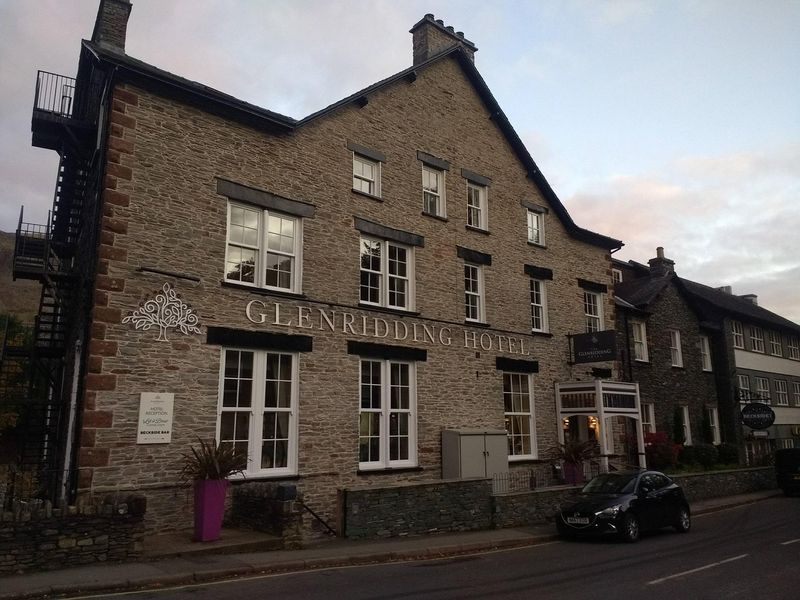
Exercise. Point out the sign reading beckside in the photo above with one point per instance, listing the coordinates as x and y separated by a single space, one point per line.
155 418
758 415
597 346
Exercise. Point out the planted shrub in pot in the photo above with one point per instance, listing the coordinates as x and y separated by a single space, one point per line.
574 453
208 466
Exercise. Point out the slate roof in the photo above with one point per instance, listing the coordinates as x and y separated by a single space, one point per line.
223 104
710 299
709 302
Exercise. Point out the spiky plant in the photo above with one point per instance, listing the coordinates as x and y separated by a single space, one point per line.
209 460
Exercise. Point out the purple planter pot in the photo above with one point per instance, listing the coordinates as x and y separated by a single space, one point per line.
209 508
573 472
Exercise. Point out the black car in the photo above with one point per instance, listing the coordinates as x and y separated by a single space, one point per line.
625 504
787 470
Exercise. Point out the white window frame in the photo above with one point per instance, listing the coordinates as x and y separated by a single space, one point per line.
705 353
781 392
261 249
477 206
538 298
775 347
756 339
616 275
386 411
738 334
360 178
519 416
675 350
433 195
257 409
593 310
793 347
713 424
762 389
536 227
743 383
687 426
796 392
639 333
479 295
648 417
385 276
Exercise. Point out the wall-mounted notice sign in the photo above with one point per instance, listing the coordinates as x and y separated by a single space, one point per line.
155 418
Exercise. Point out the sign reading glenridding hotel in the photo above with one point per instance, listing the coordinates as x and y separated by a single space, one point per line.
305 317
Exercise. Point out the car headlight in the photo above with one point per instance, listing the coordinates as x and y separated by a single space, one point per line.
611 511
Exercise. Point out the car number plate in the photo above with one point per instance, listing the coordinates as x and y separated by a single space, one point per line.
578 520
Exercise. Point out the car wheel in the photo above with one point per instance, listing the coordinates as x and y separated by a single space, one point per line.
630 528
684 521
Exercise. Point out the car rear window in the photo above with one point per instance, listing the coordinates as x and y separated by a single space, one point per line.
611 483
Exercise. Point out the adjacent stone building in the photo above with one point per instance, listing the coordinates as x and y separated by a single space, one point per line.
700 354
666 349
327 294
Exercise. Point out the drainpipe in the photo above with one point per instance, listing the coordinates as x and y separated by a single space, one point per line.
73 407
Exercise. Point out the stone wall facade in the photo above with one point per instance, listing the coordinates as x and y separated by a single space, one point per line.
165 222
415 509
53 538
664 386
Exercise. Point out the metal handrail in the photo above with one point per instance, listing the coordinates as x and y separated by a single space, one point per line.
54 94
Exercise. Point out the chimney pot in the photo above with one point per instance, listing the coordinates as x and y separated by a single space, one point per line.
431 36
725 289
752 298
660 265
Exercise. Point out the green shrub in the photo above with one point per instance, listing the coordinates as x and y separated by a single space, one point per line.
688 456
728 454
661 455
706 455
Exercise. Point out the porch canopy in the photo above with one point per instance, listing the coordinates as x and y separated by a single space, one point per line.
603 400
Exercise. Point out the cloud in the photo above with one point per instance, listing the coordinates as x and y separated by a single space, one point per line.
725 220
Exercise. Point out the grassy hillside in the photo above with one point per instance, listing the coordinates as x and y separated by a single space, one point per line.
21 297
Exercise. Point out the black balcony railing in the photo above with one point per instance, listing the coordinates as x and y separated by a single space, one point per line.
55 94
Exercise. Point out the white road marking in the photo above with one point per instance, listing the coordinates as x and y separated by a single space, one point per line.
698 569
790 542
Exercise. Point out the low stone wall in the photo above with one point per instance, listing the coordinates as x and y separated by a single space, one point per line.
433 507
415 508
39 537
713 484
517 509
269 507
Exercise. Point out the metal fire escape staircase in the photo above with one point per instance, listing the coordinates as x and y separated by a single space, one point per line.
48 254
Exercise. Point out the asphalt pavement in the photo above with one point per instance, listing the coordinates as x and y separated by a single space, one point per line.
107 577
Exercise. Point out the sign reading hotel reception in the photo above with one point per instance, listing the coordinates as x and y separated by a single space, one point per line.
598 346
155 418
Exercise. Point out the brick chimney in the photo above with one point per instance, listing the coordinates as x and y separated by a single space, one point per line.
752 298
111 24
660 266
430 36
725 289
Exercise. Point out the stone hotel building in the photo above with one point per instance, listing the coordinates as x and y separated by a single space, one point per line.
329 294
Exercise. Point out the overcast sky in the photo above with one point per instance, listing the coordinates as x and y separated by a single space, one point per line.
670 123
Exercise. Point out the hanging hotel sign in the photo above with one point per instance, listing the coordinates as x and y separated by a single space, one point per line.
347 323
597 346
757 415
155 418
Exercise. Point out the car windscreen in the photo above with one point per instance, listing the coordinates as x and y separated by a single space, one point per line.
611 483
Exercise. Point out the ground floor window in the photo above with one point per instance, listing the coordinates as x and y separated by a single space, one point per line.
518 407
387 415
713 424
687 427
648 417
258 409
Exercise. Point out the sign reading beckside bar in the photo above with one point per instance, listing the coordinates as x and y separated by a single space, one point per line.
597 346
155 418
